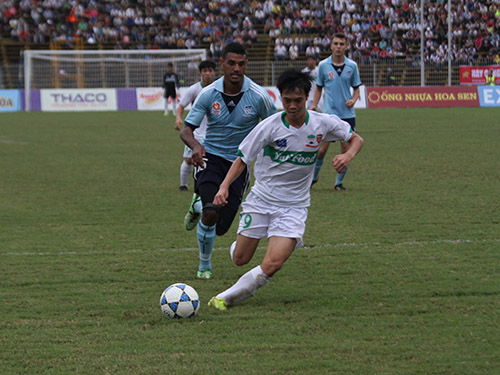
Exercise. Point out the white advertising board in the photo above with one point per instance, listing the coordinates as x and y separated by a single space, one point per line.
78 99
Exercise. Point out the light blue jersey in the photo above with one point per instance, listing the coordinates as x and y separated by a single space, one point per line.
337 88
225 129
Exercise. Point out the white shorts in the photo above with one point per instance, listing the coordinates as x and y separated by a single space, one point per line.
188 153
259 219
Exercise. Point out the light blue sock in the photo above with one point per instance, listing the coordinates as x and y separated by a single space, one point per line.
198 206
340 177
317 168
206 239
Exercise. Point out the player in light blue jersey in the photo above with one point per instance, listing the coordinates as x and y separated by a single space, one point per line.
337 74
233 105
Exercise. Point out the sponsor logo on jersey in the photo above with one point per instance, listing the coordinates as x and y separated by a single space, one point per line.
292 157
281 143
248 109
312 141
216 108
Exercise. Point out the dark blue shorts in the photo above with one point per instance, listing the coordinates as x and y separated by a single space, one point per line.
214 173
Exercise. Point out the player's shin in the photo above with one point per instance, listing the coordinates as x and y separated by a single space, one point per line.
340 177
317 168
206 239
245 287
185 172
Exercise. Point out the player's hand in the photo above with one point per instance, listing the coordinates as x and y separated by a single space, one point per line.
312 108
341 162
350 103
198 156
178 123
220 198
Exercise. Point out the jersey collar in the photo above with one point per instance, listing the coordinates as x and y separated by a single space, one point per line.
287 125
219 84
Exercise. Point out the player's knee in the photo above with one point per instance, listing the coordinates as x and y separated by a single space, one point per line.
209 217
240 259
271 266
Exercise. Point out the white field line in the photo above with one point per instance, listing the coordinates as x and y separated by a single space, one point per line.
338 245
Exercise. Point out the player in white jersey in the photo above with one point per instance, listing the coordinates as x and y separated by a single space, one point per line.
207 72
313 71
286 146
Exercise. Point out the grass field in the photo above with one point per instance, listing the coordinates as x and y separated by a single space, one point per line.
400 274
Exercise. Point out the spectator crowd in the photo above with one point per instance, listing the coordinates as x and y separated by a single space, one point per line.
375 28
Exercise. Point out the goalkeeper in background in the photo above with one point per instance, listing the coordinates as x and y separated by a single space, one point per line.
207 71
170 84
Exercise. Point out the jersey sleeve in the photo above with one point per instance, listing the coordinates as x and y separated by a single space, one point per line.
337 130
254 142
320 80
188 97
267 107
198 110
355 79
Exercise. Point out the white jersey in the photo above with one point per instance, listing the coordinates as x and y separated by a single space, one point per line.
286 155
314 74
188 98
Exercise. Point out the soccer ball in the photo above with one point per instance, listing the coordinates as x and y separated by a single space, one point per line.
179 301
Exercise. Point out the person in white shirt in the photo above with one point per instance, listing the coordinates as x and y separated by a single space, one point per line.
312 69
285 145
207 72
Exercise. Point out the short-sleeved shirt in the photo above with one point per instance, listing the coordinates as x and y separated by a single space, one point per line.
226 129
286 155
188 98
338 88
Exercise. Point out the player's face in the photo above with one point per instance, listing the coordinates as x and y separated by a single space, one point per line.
311 63
338 46
234 66
207 76
294 103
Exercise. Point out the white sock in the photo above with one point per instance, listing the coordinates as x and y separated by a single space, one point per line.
185 172
245 287
231 250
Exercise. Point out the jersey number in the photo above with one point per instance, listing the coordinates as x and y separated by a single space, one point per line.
247 220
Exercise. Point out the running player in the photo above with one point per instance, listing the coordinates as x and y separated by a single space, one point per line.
286 146
233 105
337 74
207 71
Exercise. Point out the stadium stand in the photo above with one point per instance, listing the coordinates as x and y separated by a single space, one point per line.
380 31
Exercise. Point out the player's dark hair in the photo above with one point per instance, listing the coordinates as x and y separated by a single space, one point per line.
294 79
206 64
170 65
234 47
340 36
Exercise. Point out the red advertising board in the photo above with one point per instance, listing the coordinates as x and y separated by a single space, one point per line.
427 96
476 75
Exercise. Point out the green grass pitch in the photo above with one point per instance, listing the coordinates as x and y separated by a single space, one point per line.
400 274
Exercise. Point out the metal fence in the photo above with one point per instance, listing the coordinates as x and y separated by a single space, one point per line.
266 73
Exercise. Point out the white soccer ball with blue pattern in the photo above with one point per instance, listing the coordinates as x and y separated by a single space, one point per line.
179 301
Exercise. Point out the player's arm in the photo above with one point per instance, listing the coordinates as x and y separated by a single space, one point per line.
237 167
187 136
342 161
178 119
355 95
317 96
